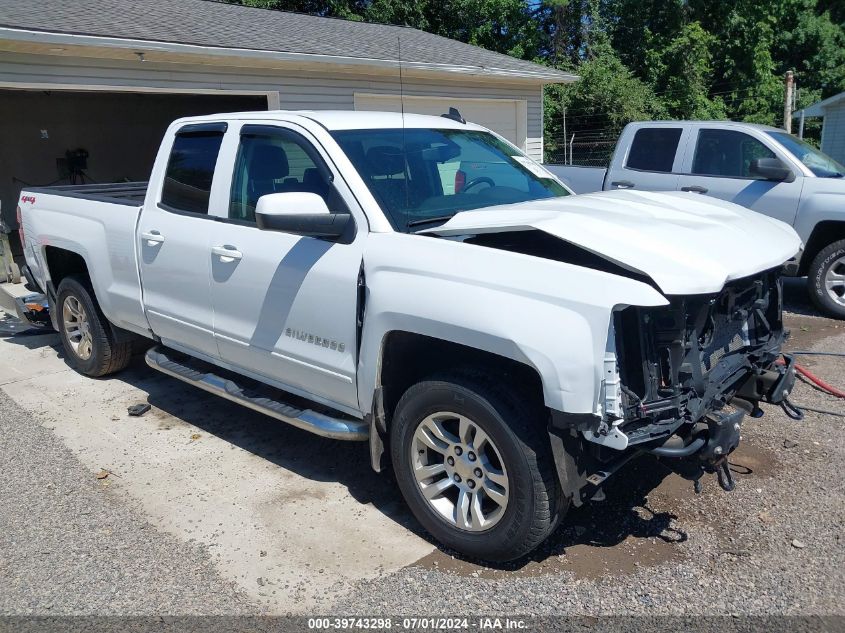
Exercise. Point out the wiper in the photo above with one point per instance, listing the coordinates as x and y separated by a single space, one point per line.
442 218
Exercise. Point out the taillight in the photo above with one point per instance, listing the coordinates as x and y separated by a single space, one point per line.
20 228
460 180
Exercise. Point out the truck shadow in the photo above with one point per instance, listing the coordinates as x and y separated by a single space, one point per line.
34 339
795 297
627 514
305 454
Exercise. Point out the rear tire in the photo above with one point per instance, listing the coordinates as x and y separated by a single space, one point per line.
88 341
508 431
826 280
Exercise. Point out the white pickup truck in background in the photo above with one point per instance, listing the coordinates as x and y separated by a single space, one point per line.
419 283
759 167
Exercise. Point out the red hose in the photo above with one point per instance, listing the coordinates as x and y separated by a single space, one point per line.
816 380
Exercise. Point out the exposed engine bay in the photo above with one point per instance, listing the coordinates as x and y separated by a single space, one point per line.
681 361
681 365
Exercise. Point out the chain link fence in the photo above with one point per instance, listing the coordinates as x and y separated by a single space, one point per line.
586 151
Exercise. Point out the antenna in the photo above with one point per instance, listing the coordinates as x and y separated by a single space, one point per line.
401 83
405 174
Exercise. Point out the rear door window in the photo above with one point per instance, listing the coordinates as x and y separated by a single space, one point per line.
654 149
190 169
727 153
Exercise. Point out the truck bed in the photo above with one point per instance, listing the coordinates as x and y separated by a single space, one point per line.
128 193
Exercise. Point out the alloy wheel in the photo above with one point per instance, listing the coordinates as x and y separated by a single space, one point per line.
834 281
77 328
459 471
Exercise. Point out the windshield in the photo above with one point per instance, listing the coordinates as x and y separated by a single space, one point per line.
819 163
422 177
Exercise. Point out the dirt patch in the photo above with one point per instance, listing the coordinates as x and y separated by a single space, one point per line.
806 330
636 527
590 562
163 420
299 495
617 536
583 560
750 460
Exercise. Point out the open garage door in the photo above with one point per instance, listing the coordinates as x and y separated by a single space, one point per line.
507 117
63 136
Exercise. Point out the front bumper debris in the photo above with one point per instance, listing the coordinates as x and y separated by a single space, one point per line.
689 374
772 385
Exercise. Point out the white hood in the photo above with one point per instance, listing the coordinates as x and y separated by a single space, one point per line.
687 243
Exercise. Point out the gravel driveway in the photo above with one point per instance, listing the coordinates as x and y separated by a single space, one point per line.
70 546
71 543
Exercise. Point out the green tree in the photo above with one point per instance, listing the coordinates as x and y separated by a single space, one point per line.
683 72
350 9
639 58
415 13
605 98
505 26
759 42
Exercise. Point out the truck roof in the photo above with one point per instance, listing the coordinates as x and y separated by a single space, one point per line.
344 119
676 122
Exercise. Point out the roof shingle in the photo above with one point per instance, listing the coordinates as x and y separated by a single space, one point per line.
214 24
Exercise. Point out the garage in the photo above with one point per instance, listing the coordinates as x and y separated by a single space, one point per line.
78 137
507 117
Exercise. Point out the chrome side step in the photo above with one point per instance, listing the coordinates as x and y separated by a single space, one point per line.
257 396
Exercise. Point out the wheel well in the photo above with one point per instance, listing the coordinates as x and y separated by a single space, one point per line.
409 358
61 263
823 234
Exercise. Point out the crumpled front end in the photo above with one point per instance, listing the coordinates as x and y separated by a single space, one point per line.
684 376
679 362
681 365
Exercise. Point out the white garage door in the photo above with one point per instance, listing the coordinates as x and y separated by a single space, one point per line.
507 117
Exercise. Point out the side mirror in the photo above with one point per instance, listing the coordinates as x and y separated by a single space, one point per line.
300 213
771 169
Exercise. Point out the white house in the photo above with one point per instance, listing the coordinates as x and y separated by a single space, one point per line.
833 126
106 77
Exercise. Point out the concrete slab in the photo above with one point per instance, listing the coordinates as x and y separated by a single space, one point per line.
8 293
291 517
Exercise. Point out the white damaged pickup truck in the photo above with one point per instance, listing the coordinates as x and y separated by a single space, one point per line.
418 283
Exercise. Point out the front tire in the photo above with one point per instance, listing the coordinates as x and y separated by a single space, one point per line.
826 280
474 465
89 344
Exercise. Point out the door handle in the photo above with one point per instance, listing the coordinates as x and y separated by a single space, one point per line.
226 254
695 189
623 184
154 238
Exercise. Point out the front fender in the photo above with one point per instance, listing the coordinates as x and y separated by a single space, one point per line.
549 315
822 200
